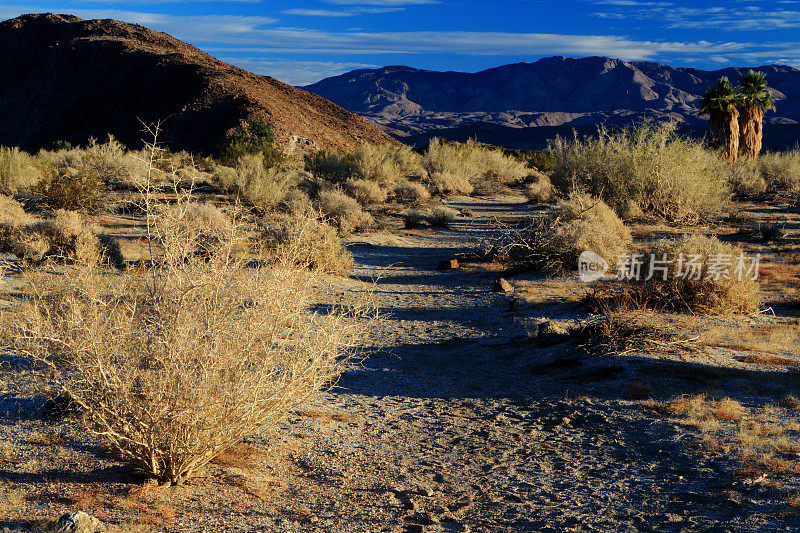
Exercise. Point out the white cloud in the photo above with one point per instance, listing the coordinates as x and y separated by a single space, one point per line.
295 72
318 13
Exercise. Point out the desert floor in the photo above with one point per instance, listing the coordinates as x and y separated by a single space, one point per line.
461 419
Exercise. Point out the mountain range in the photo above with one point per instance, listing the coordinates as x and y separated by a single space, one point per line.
65 78
508 105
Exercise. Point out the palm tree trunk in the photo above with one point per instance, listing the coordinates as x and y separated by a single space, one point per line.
723 133
751 124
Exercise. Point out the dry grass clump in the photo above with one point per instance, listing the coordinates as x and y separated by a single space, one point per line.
746 180
409 192
540 189
173 365
579 223
441 217
665 174
386 163
694 283
200 228
18 170
303 239
781 170
486 169
65 237
366 192
261 186
344 212
700 407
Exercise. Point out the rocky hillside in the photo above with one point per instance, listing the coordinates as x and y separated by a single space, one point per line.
64 78
555 91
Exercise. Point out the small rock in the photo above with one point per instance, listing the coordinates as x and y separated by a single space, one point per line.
502 285
451 264
552 333
79 522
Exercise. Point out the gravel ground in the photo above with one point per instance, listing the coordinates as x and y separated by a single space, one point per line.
455 422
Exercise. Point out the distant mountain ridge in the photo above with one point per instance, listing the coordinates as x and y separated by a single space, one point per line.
65 78
554 91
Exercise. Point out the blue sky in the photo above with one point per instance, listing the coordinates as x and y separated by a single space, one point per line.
303 41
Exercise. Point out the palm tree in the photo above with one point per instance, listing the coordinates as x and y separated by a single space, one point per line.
719 103
755 100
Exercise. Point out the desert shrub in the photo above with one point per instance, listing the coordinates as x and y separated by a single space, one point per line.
441 217
413 218
781 170
304 239
665 174
554 243
343 212
260 185
409 192
366 192
331 166
746 180
541 160
705 289
69 188
173 365
254 138
65 237
224 178
18 170
386 163
487 169
200 228
445 184
539 190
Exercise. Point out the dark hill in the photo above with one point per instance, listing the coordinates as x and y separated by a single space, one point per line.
64 78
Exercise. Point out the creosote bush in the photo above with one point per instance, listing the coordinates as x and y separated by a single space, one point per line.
746 180
665 174
69 188
386 163
703 290
409 192
366 192
553 243
260 185
441 217
539 189
174 364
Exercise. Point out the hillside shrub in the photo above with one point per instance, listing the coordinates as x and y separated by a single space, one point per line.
664 173
255 137
331 166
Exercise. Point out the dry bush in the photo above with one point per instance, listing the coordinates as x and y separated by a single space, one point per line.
261 186
18 170
331 166
413 218
344 212
446 183
665 174
409 192
65 237
701 407
366 192
488 170
746 180
700 291
441 217
386 163
200 228
577 224
540 190
305 240
781 170
173 365
69 188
